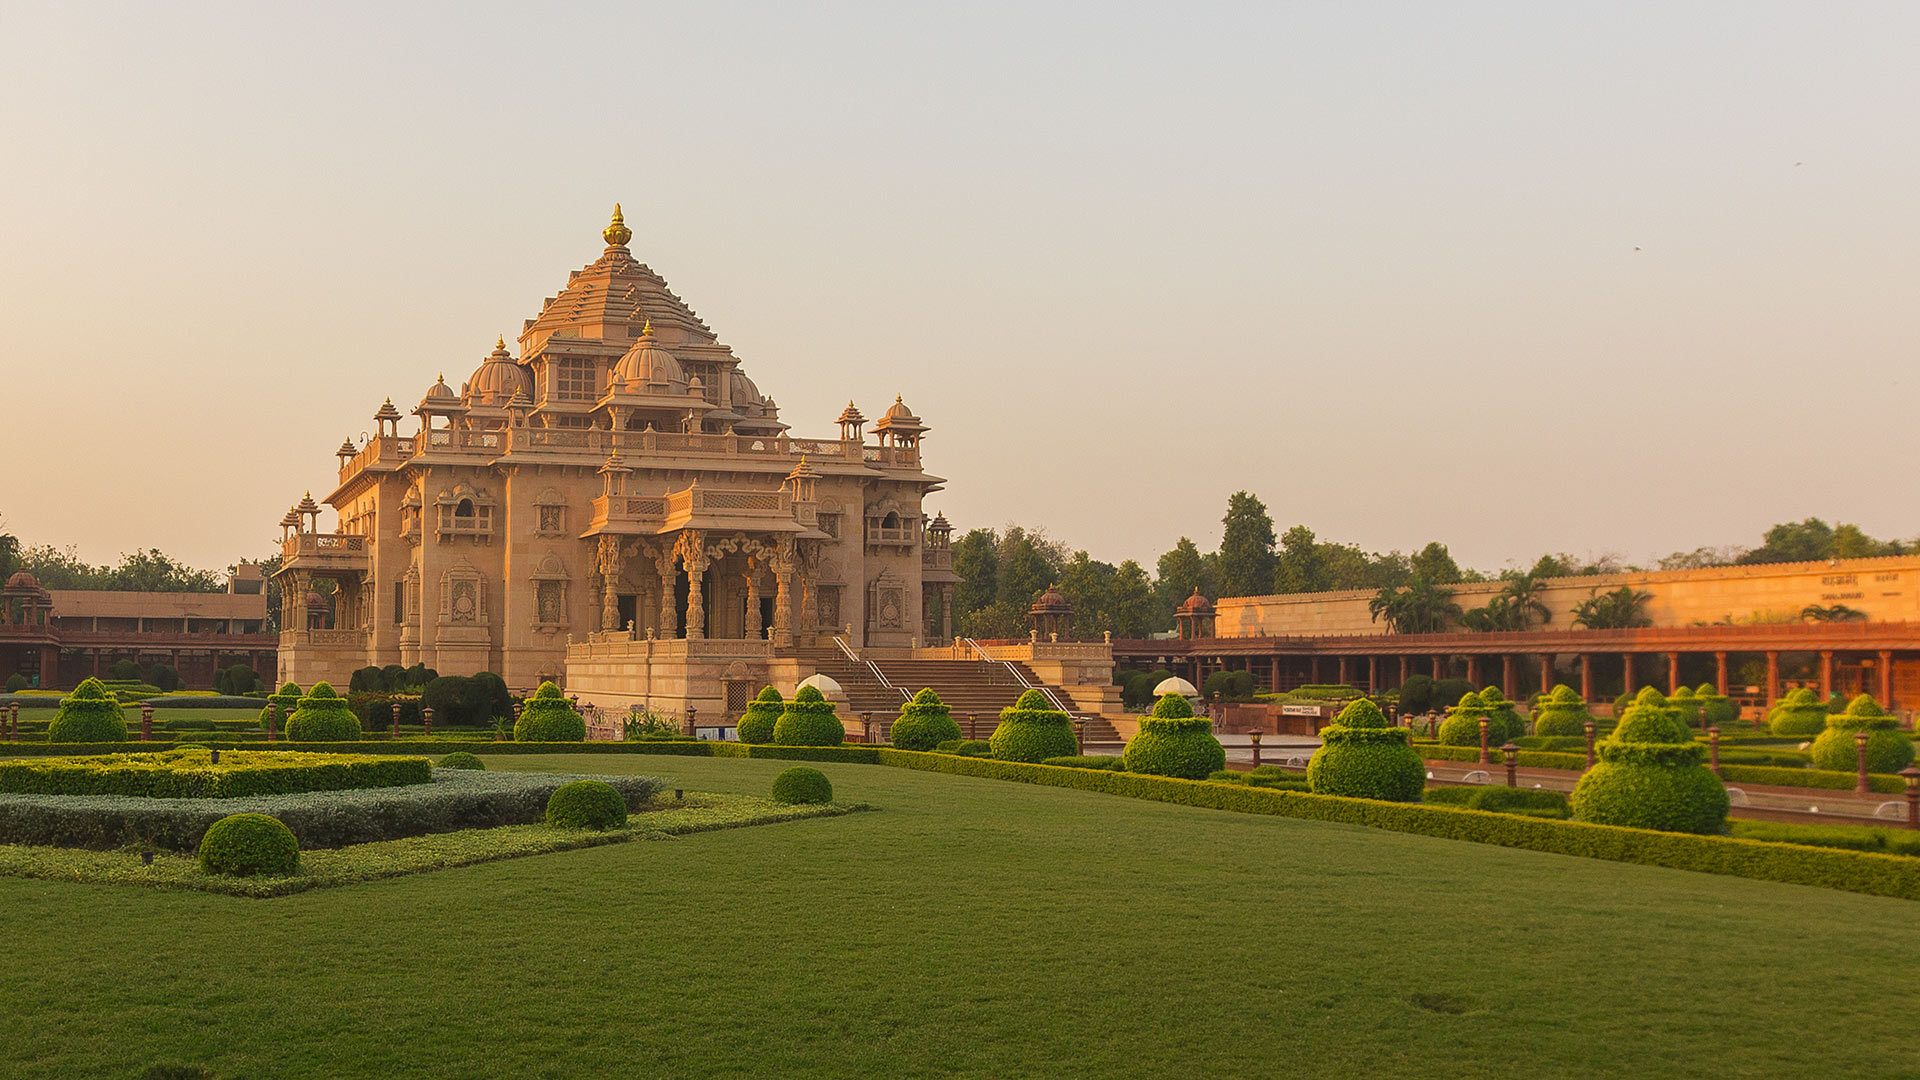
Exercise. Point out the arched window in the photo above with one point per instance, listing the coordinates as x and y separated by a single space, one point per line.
464 509
891 521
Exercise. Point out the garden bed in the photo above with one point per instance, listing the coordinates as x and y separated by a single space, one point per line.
193 773
411 855
454 799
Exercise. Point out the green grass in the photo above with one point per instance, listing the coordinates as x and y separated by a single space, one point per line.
972 928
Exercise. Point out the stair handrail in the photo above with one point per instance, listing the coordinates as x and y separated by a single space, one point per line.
856 658
1052 698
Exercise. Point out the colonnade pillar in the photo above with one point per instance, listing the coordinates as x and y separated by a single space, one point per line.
1773 678
1886 678
1673 672
1406 666
1720 673
1345 678
1473 669
1586 676
1626 664
1373 674
1546 673
1439 667
1509 674
1826 674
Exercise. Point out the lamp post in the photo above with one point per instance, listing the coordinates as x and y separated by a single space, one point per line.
273 715
1912 773
691 710
1485 758
1256 748
1590 729
1860 745
146 722
426 718
1512 754
1713 749
396 719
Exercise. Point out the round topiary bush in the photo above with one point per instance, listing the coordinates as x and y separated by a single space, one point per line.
801 784
925 722
756 724
1650 776
460 759
1462 725
247 844
89 714
322 716
1174 742
1716 708
586 804
547 716
1800 712
808 720
1686 707
1032 730
1888 749
1561 712
287 699
1363 757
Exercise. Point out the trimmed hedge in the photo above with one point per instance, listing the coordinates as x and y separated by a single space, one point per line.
1799 712
586 804
1888 750
1851 871
801 785
1363 757
1174 742
1562 713
320 819
809 720
1087 761
323 716
1809 778
287 698
548 717
1534 802
89 714
460 759
246 844
191 774
1033 730
1650 776
925 722
756 724
1266 776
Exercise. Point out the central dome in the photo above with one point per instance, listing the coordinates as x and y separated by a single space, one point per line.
648 368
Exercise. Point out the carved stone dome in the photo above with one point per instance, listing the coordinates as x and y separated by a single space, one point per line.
649 368
498 378
1196 604
440 391
22 580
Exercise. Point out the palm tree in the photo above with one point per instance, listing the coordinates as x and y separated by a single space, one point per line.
1513 608
1419 607
1621 609
1836 613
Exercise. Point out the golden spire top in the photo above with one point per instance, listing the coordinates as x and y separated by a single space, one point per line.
647 330
617 234
500 343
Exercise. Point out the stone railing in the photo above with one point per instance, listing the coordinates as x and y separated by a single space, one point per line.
322 544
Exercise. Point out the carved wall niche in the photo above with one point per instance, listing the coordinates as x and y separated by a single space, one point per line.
887 602
463 595
550 587
550 513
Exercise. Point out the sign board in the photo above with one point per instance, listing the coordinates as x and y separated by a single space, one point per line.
1300 710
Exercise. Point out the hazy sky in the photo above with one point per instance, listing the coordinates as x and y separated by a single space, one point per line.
1519 277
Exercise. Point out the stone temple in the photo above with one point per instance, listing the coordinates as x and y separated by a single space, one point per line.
619 506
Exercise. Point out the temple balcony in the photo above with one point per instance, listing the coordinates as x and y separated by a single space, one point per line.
325 551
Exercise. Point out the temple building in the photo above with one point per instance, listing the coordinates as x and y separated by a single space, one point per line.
615 502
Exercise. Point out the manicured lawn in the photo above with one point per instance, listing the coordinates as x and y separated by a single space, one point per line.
971 928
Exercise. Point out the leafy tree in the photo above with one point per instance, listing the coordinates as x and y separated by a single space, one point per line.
1621 609
1515 607
1300 566
1246 547
976 558
1180 572
1133 610
1702 558
1434 564
1419 607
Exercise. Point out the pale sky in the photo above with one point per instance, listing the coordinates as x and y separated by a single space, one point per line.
1519 277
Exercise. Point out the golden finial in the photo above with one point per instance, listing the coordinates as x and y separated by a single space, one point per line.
617 234
647 330
500 343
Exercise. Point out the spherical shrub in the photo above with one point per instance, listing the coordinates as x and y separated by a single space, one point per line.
1715 708
809 720
281 703
756 724
89 714
1561 713
1888 750
247 844
1503 720
548 716
586 804
1652 786
1032 730
460 759
802 785
1174 742
925 722
1800 712
1362 757
1649 724
322 716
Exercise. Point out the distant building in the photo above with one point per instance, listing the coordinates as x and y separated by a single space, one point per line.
1850 626
58 637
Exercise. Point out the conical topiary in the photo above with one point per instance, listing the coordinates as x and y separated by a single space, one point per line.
808 720
925 722
89 714
1462 725
1561 712
1650 776
1503 720
322 716
1888 749
1800 712
287 698
548 716
1033 730
756 724
1174 742
1364 757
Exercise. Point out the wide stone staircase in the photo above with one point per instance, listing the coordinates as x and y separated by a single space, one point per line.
976 691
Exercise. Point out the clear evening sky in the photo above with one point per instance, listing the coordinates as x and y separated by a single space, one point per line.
1520 277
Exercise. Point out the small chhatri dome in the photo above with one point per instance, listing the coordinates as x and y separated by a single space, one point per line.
440 391
347 449
803 470
617 234
940 523
1196 604
899 411
22 580
292 520
1051 601
649 368
387 411
851 415
307 505
498 378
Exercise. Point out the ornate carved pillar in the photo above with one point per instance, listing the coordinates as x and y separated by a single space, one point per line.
609 565
669 616
754 565
806 562
783 562
694 555
946 612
